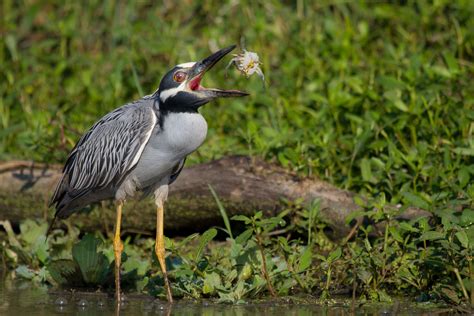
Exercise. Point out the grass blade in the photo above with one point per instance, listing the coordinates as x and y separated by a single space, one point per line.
222 211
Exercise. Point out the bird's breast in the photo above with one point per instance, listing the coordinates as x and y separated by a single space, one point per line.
179 135
183 133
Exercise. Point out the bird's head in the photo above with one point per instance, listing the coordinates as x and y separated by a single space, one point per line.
181 90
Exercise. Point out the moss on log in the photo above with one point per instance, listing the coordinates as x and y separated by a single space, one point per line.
243 185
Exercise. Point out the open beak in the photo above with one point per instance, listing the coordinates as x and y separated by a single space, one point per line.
201 67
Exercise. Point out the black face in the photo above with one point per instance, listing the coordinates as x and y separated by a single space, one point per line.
181 91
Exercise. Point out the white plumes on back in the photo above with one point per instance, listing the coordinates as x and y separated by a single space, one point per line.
147 137
172 92
187 65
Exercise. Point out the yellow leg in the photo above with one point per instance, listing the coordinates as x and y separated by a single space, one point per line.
160 250
118 248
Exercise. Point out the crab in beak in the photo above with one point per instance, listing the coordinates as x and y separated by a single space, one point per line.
197 72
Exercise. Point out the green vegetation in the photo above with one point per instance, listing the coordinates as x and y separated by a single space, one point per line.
376 97
279 256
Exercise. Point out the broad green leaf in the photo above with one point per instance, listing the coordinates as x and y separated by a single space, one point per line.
206 237
467 218
31 231
463 239
451 62
464 151
441 71
399 104
391 83
450 294
66 272
395 234
383 296
334 255
211 282
365 169
408 227
241 218
93 265
470 235
246 272
41 249
432 235
306 259
244 236
463 177
415 200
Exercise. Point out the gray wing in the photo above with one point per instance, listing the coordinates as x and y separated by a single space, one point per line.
177 170
106 153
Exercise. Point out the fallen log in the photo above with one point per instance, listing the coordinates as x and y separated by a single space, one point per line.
243 185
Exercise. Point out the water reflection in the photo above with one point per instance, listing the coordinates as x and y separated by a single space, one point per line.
18 298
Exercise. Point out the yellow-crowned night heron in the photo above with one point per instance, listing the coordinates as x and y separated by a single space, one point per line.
140 146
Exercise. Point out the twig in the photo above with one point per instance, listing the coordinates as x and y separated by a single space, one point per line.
458 276
352 232
264 266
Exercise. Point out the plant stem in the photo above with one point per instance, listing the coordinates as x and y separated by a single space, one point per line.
354 289
471 276
385 244
328 281
294 274
264 265
310 222
458 276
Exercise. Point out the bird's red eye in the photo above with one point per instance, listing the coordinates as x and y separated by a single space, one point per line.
179 76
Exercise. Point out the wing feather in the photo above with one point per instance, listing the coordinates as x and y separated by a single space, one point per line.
105 154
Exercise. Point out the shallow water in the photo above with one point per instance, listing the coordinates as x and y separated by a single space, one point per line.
21 298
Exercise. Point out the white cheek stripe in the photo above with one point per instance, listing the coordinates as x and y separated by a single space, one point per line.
186 65
172 92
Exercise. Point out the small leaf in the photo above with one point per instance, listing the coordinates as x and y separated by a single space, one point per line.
366 170
395 234
415 200
241 218
441 71
451 62
246 272
211 282
242 238
467 218
306 259
206 237
391 83
408 227
383 296
31 231
399 104
41 249
432 235
450 294
463 239
66 272
463 177
334 255
25 272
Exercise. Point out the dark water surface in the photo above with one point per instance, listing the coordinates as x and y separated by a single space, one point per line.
21 298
